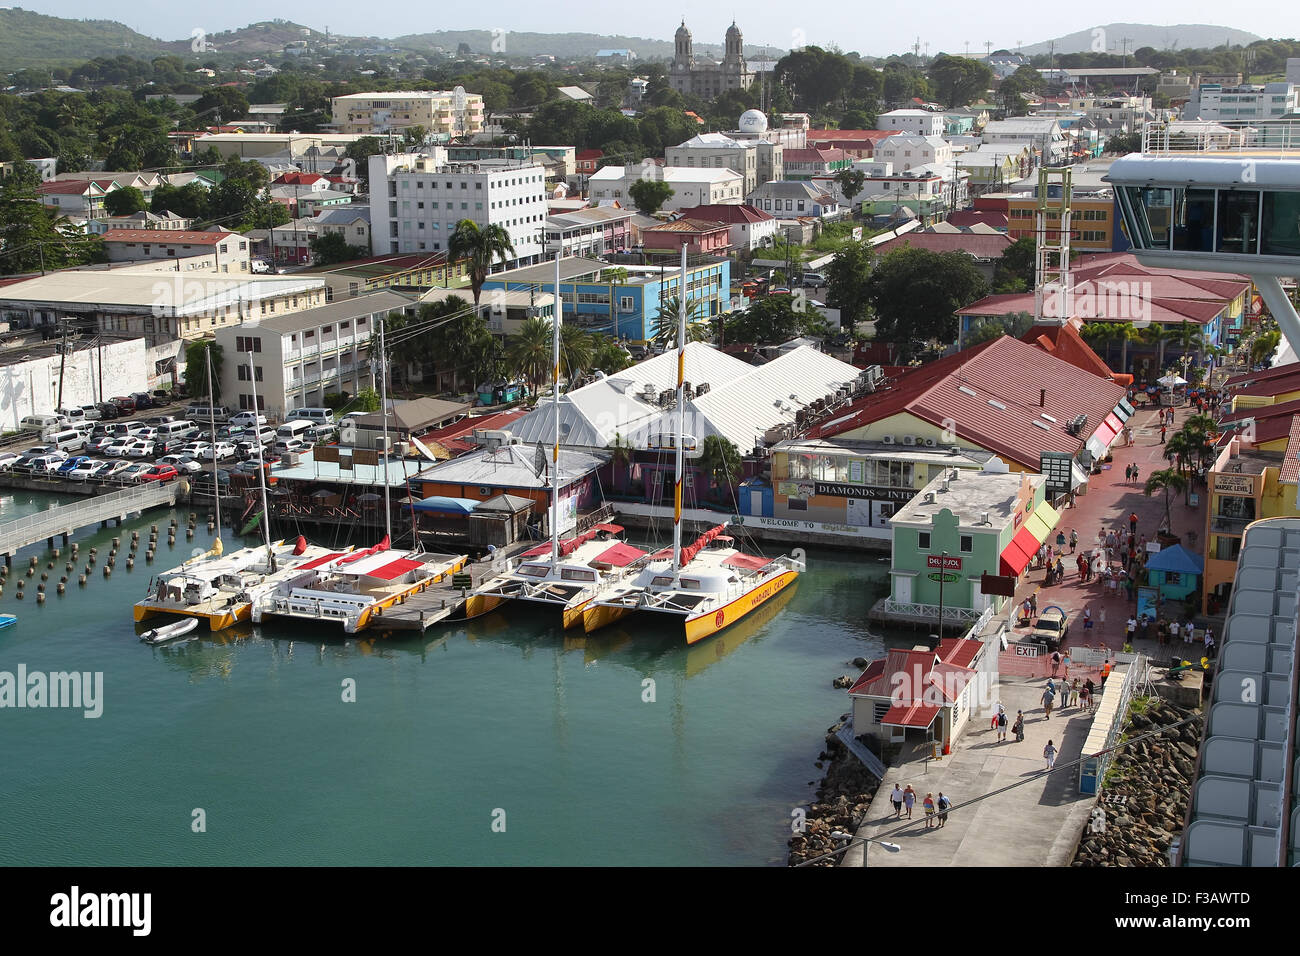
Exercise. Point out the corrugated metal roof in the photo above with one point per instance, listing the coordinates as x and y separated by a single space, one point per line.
1290 470
510 466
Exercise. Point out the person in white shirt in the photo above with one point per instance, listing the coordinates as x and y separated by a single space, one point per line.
1188 630
1173 630
896 798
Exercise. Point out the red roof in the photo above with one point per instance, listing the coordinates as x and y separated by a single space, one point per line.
70 187
959 650
1250 378
831 135
956 392
588 154
979 245
730 213
298 179
1280 409
972 217
167 237
1020 550
812 155
1095 300
1273 386
910 715
1290 470
695 226
458 437
1065 342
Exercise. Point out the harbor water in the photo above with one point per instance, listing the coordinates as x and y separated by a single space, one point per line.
499 741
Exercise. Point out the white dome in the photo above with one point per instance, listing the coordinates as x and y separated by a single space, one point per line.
753 121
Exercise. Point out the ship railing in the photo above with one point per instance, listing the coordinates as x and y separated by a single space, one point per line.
1216 138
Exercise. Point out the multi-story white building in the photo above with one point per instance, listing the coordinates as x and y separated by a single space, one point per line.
916 122
416 202
691 187
440 112
298 358
907 152
719 150
1245 103
1042 132
36 377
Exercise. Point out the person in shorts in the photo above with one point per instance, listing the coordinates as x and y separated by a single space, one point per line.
929 810
944 806
896 798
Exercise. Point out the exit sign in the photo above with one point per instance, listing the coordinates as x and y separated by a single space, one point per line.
942 563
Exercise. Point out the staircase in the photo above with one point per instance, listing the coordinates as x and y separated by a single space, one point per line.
859 750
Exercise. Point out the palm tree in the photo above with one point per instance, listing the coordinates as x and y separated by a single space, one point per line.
665 333
481 248
1263 345
1159 336
575 350
1189 337
528 353
1180 449
1171 482
720 460
607 355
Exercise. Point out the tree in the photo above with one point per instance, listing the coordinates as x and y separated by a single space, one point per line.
1171 483
649 195
774 319
529 352
848 279
1263 346
1122 332
575 351
916 293
33 237
196 368
1124 143
1014 272
607 355
851 182
959 80
665 330
360 152
462 342
620 456
720 460
331 247
225 102
367 400
992 327
124 201
480 248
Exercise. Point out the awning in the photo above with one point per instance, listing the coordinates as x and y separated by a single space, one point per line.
323 559
910 715
1125 409
1042 521
611 528
1114 423
394 569
1078 475
442 504
750 561
1101 440
1017 555
620 555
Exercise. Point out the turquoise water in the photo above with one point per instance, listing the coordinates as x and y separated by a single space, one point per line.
508 713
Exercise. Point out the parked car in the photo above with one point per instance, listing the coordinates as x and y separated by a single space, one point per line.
1051 628
83 471
133 471
814 280
7 460
285 446
249 468
159 473
182 463
108 410
70 463
117 447
124 403
220 451
139 448
110 469
159 420
99 430
142 400
322 433
42 464
247 419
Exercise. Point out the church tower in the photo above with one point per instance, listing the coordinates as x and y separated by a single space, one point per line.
735 45
684 59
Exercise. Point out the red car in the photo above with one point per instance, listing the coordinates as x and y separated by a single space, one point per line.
160 473
124 404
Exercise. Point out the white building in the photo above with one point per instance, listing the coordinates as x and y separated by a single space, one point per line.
718 150
439 112
907 151
1246 103
916 122
31 376
1043 133
298 358
219 251
351 221
691 187
416 202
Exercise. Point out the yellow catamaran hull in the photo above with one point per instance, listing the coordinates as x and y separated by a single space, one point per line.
217 620
376 610
706 625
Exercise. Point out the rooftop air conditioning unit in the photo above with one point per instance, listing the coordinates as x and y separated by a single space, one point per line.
887 440
944 484
401 449
984 518
702 388
909 439
290 458
930 443
929 497
649 393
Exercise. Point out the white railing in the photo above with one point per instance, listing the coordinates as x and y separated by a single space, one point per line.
958 614
64 519
1203 136
1105 731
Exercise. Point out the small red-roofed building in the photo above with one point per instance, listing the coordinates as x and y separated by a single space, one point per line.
222 251
699 237
928 692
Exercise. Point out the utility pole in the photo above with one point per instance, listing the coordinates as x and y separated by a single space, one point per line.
63 360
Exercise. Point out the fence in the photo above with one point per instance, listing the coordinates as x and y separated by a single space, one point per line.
64 519
1112 709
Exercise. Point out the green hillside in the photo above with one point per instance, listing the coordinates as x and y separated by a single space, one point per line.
34 40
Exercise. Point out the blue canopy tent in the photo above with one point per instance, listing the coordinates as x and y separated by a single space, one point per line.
441 504
1175 571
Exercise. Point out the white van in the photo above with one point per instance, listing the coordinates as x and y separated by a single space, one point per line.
170 431
295 428
70 439
45 424
205 413
317 416
127 429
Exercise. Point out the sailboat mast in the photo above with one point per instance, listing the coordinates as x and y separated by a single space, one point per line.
212 411
383 411
261 468
681 415
555 389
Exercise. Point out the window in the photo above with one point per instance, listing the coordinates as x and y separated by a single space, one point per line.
966 543
923 541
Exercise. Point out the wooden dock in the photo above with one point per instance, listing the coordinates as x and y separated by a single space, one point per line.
443 600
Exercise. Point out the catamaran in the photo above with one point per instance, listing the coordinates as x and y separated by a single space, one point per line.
567 574
217 587
710 584
354 588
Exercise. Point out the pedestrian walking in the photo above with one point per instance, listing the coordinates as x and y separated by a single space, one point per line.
1065 664
1133 522
896 798
1209 643
1136 477
1144 626
1087 619
1049 695
1049 753
1056 662
1130 628
929 810
1018 728
1128 473
909 798
1074 539
1173 630
1033 602
1188 632
1163 429
1002 723
1074 693
944 806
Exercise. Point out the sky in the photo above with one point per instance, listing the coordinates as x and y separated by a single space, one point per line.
872 29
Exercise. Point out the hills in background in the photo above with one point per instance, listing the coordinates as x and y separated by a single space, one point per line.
30 39
1184 36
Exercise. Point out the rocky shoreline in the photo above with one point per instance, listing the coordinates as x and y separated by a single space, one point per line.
843 797
1145 797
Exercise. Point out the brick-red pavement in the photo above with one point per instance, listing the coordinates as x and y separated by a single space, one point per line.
1108 504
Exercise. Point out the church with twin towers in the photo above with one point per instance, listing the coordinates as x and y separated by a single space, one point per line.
704 76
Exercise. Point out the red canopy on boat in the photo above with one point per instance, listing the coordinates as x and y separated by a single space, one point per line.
746 561
620 555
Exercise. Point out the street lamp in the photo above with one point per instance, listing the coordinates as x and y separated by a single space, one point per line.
866 844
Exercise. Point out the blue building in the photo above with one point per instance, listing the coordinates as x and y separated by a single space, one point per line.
622 301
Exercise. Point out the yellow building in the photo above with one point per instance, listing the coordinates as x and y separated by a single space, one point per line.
1092 220
439 112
